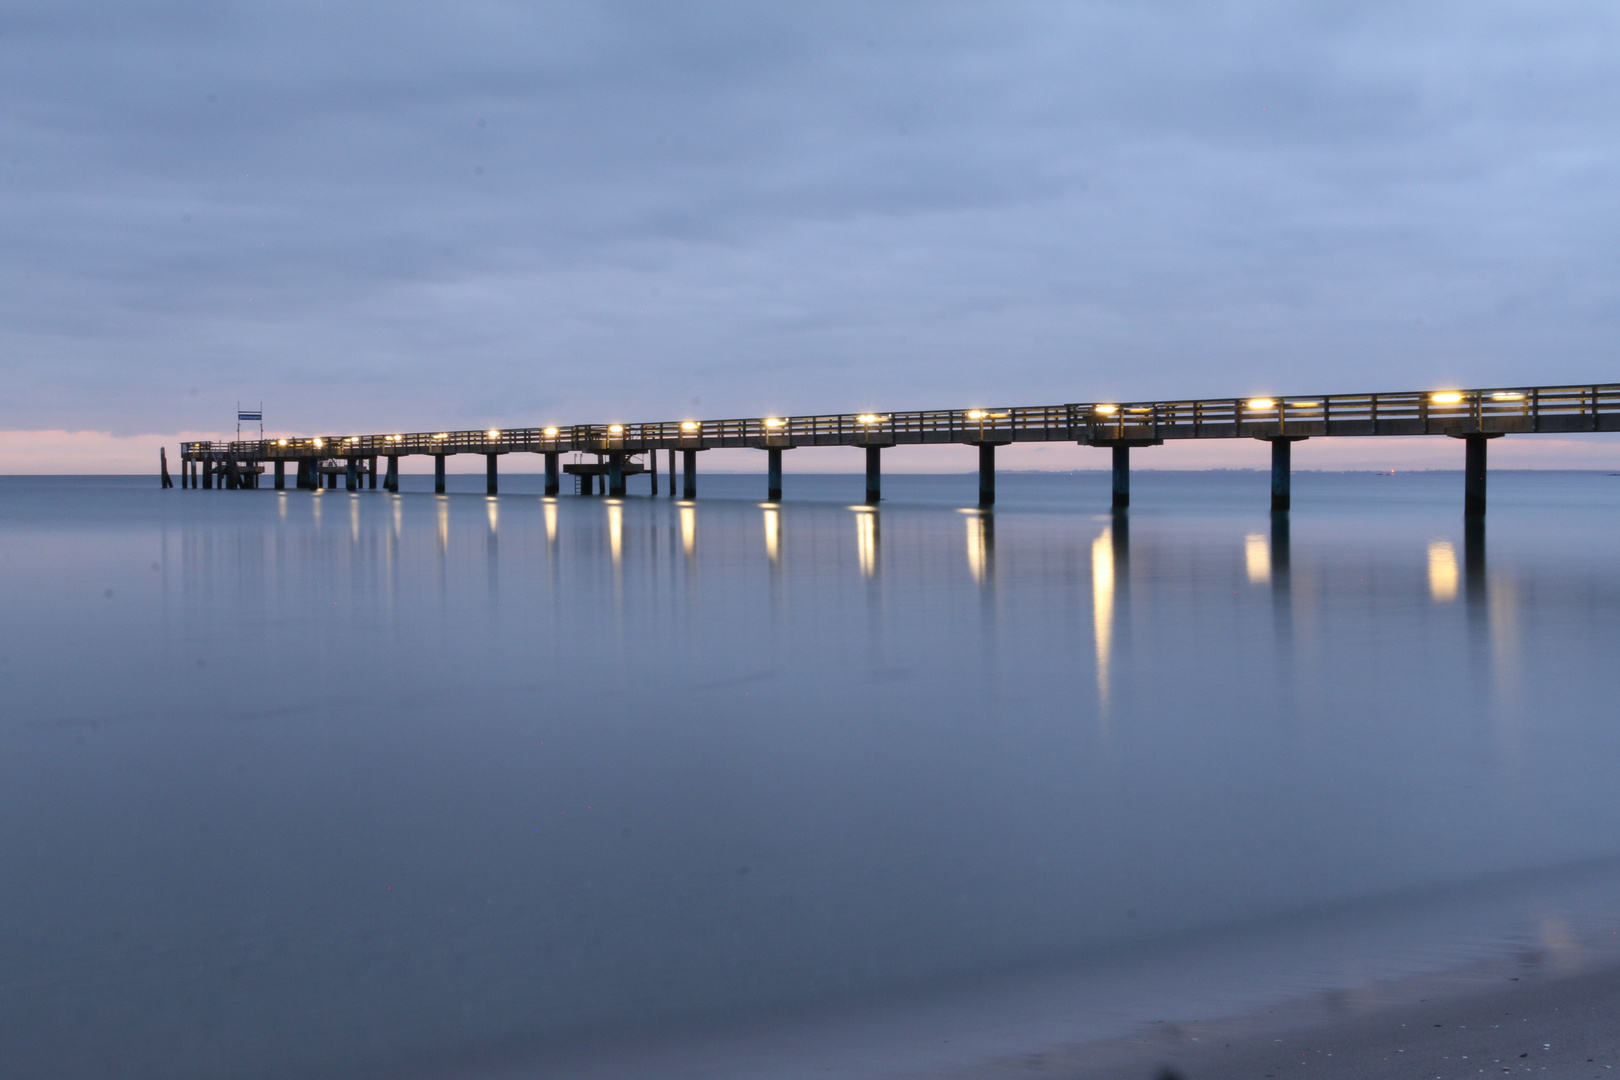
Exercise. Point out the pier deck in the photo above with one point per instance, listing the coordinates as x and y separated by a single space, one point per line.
1473 415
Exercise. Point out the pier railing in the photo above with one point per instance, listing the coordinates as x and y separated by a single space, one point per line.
1501 410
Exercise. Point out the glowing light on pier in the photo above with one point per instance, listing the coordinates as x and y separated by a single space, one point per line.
1105 410
689 425
773 422
550 433
1261 404
1447 397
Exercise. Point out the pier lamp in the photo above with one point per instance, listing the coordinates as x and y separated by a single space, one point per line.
1303 404
689 425
319 444
1446 397
281 442
492 434
442 435
773 422
1105 410
615 429
1507 397
550 433
976 414
1261 404
866 418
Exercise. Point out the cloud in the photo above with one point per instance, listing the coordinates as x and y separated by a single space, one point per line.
388 216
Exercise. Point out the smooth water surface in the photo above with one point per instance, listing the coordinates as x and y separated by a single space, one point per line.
333 784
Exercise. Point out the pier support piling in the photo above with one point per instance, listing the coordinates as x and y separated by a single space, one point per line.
438 474
987 473
616 475
163 466
874 475
671 471
371 470
1282 474
553 473
391 477
1282 470
208 475
1122 477
281 475
773 474
351 474
1474 473
689 474
492 484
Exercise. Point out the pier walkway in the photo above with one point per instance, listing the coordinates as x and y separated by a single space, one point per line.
1473 416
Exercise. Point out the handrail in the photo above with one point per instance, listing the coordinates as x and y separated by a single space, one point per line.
1436 412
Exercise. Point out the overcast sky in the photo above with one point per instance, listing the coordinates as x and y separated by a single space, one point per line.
398 216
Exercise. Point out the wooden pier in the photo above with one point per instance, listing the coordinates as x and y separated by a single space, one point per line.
1473 416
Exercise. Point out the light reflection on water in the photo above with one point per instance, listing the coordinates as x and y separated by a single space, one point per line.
454 777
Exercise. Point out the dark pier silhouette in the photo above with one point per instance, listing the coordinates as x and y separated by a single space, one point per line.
1472 416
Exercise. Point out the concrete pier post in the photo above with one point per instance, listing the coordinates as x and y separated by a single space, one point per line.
1474 473
874 475
1122 477
553 473
1282 473
773 474
616 475
391 477
689 474
281 475
492 485
351 474
438 474
371 470
987 474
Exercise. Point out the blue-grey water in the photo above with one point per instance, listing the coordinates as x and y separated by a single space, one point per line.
357 784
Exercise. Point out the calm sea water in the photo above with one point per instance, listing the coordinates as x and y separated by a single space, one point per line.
332 784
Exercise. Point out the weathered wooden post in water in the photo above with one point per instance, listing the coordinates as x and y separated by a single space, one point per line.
391 477
163 465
